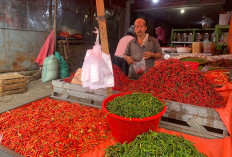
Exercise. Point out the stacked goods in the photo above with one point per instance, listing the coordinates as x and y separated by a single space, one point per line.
155 145
12 84
172 80
135 105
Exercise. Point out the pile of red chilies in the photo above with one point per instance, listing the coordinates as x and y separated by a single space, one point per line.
53 128
69 79
172 80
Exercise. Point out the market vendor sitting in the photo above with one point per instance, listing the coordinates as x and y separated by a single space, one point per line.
142 47
118 56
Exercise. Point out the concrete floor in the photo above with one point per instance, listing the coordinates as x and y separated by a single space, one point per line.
35 90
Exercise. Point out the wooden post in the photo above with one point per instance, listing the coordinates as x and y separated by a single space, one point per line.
50 15
102 25
55 24
103 32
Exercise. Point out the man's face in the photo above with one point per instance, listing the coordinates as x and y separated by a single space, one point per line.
140 28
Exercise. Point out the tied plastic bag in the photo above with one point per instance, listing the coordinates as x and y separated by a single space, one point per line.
139 67
97 69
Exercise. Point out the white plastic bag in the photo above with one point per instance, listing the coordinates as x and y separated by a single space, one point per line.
139 67
97 69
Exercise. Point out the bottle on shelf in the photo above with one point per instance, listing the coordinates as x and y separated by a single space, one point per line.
184 37
212 37
206 37
190 37
178 37
199 37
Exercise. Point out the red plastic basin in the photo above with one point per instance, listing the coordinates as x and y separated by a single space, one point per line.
126 129
193 65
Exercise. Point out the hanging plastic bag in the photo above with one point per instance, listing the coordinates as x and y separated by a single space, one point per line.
139 67
97 69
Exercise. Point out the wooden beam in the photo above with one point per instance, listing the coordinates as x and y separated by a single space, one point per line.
103 32
102 25
50 15
55 24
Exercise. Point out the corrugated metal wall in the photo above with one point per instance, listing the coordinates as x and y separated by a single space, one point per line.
19 49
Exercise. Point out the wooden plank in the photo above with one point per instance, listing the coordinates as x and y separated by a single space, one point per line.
102 25
57 83
12 86
86 96
191 131
76 101
10 81
10 76
79 94
202 115
55 24
16 91
75 87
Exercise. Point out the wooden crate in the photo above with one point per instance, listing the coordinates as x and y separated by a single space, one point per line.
190 119
195 120
76 93
12 83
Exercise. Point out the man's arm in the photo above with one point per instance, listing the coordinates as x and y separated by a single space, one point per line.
127 56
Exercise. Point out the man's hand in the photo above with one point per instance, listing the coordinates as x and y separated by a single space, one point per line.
148 54
129 59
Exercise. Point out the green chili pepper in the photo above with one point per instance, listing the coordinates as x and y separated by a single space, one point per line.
155 145
135 105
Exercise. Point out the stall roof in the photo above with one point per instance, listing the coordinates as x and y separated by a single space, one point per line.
168 11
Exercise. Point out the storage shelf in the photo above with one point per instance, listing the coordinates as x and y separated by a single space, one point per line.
182 42
218 32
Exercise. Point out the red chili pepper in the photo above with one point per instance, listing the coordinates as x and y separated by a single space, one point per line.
53 128
172 80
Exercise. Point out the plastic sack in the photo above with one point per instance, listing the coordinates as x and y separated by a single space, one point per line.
97 69
64 68
139 67
50 69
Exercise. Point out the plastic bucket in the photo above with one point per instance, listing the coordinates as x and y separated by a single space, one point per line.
193 65
126 129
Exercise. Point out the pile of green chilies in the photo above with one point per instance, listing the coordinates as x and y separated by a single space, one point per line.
154 144
191 59
135 105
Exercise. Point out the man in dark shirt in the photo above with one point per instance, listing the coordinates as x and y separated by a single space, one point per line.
143 46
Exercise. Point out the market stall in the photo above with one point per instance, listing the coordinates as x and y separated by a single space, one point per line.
182 106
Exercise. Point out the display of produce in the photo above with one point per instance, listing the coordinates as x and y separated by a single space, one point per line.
194 59
135 105
69 79
53 128
172 80
218 78
155 145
